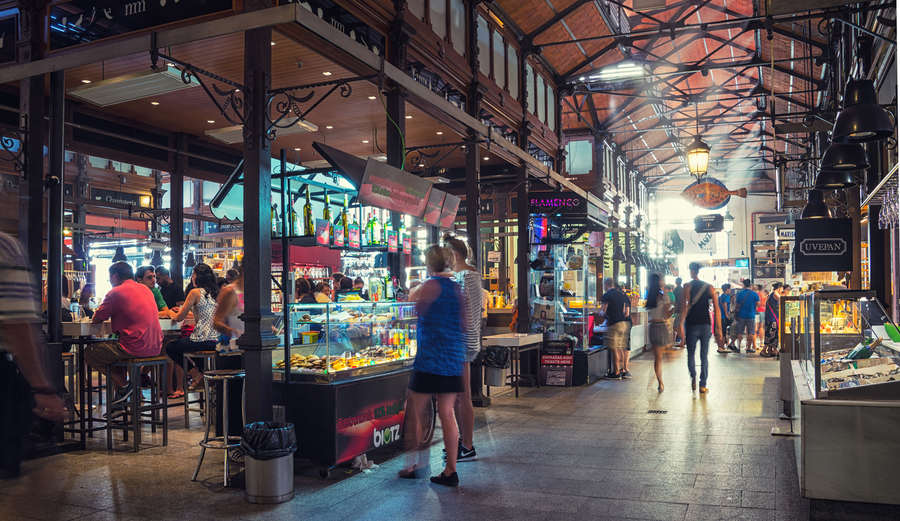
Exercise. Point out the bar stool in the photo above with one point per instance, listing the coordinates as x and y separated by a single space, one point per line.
139 411
199 359
225 441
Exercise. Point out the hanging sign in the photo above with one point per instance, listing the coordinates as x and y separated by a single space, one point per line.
448 211
709 223
393 189
407 246
433 206
493 256
608 254
392 241
323 232
353 240
710 193
338 237
556 203
81 21
823 245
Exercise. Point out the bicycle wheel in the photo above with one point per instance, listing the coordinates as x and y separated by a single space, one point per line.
430 419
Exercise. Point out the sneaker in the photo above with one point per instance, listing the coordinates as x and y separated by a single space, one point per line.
626 375
465 453
612 376
734 348
448 481
721 350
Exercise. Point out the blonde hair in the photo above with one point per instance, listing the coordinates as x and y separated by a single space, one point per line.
436 258
458 245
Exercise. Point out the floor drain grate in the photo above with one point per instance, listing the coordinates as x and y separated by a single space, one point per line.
656 411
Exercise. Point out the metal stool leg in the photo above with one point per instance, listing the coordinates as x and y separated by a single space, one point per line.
154 398
225 427
206 434
109 418
164 369
184 385
136 398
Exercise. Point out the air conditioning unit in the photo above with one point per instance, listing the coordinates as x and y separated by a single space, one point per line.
235 134
132 87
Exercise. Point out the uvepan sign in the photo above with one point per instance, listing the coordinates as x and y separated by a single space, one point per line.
823 245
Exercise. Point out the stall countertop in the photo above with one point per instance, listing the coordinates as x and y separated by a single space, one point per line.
104 329
513 339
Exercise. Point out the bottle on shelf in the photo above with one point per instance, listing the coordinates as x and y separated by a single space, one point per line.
377 229
326 213
309 228
276 222
344 222
370 229
388 228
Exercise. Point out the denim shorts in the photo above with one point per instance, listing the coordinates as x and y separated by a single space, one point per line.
744 324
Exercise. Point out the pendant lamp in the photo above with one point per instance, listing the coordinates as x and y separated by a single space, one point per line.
815 206
698 157
157 259
120 255
862 119
190 262
845 156
835 179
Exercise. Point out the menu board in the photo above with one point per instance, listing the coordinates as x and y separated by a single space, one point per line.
433 206
393 189
323 232
353 240
448 211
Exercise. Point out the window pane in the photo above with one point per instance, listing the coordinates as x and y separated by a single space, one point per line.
541 96
529 87
209 191
512 68
484 47
499 60
458 25
438 10
551 108
579 157
417 7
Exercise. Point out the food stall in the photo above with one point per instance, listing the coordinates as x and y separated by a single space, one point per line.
846 387
342 368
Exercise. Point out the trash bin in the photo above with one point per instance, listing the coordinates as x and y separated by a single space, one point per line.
496 363
269 461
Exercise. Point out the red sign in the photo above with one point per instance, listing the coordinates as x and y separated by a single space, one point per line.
393 189
557 359
339 236
407 245
433 208
323 232
353 240
448 212
392 242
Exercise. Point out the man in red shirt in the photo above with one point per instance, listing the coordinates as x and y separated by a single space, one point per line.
132 310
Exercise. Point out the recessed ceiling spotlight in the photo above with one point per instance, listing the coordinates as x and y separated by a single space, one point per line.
154 103
371 97
439 133
486 158
421 165
85 81
329 127
170 64
365 141
326 73
273 43
296 149
210 121
408 117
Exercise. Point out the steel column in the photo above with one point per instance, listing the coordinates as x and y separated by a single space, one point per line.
56 165
523 252
878 258
473 200
396 129
258 339
176 212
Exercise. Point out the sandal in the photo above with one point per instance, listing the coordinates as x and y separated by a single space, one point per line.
409 473
176 394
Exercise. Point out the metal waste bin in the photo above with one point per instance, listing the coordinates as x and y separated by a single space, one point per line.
269 461
496 365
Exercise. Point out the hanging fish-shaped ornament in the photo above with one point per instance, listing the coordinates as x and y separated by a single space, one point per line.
710 193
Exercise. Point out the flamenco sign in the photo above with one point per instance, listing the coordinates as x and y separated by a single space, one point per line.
823 245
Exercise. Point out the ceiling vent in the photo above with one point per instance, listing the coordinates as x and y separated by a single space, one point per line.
235 134
132 87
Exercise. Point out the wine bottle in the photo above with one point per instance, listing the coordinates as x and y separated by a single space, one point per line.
276 228
370 229
293 222
308 226
344 222
326 213
376 229
388 228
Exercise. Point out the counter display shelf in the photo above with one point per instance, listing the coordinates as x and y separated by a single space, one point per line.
846 394
343 376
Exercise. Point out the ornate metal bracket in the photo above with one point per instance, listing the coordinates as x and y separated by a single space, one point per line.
420 159
228 100
285 106
12 147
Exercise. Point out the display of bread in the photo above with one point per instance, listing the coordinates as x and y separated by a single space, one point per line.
316 364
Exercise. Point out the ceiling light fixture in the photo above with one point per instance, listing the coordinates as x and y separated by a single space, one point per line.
371 97
365 141
862 119
815 206
486 158
844 156
326 73
273 43
154 103
835 179
698 153
148 84
626 70
210 121
439 133
328 127
85 81
408 117
296 149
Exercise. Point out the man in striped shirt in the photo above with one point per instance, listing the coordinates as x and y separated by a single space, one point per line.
23 383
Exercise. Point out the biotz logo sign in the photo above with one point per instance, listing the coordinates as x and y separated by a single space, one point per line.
385 436
824 246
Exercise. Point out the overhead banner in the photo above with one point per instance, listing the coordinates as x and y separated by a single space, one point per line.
384 186
433 207
448 210
823 245
81 21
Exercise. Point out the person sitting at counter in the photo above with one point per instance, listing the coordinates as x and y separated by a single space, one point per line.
322 293
84 301
201 301
171 293
146 275
303 293
133 311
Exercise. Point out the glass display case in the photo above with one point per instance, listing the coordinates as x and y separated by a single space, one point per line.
343 340
563 291
792 316
848 349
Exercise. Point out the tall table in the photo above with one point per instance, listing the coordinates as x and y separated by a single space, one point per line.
518 343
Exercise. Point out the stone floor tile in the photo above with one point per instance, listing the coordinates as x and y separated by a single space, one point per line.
715 513
758 499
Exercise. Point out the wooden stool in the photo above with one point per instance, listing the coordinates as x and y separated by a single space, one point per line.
138 411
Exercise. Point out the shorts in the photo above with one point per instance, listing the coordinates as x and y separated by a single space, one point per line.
102 354
616 335
760 317
660 334
744 324
427 383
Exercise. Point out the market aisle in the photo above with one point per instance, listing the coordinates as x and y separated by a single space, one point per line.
592 453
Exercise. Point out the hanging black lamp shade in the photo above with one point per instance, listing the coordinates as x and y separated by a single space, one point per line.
835 179
862 119
190 262
120 255
157 259
618 255
815 207
845 156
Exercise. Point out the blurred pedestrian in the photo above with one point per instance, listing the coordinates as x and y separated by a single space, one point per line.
615 306
438 367
771 332
698 297
678 292
660 309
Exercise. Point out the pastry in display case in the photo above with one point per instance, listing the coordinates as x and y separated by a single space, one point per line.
336 341
849 352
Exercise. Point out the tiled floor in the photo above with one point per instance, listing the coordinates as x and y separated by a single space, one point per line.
590 453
